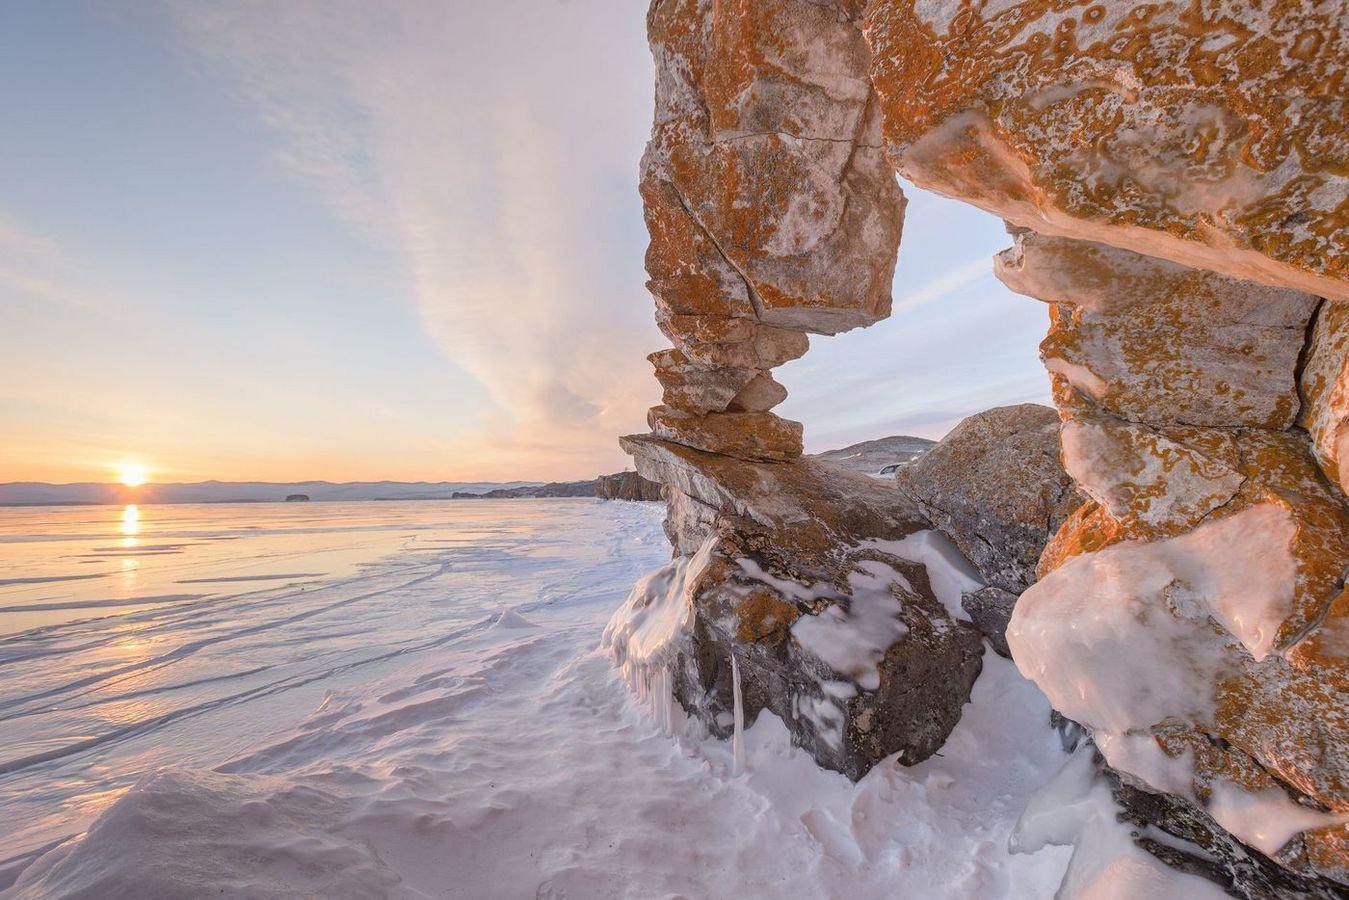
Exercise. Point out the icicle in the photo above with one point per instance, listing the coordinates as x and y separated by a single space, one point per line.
738 738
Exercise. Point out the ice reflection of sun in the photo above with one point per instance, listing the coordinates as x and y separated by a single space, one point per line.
131 520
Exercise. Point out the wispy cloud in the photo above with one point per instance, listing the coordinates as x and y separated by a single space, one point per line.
943 286
33 266
491 149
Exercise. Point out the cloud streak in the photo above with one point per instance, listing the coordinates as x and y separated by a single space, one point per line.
491 151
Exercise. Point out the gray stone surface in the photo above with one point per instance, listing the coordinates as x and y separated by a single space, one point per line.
996 486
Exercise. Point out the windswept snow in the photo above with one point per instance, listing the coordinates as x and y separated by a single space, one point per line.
404 732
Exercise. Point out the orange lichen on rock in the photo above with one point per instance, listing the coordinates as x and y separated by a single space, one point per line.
771 207
1208 133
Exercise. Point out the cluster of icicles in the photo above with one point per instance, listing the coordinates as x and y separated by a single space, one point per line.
645 634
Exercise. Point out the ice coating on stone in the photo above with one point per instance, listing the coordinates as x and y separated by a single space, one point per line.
738 737
1265 819
1076 809
1123 639
947 570
644 634
853 640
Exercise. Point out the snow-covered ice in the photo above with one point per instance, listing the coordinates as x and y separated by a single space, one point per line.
438 719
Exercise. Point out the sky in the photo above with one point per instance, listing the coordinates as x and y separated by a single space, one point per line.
348 240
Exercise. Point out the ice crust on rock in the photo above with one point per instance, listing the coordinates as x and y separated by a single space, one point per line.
1122 639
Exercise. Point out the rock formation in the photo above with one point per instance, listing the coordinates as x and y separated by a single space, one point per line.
1207 133
996 487
773 213
835 601
1175 175
626 486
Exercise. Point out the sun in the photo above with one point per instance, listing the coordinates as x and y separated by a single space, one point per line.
133 474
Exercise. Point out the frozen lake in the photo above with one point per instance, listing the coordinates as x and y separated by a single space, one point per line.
404 700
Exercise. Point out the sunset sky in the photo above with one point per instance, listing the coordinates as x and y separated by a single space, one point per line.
358 241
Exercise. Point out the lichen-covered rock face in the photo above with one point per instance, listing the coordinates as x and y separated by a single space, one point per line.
1160 343
996 487
1207 133
1181 614
771 208
818 582
1325 392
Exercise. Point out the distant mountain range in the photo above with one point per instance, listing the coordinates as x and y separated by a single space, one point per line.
28 493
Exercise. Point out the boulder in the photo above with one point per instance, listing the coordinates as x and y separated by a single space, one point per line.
812 594
990 609
996 487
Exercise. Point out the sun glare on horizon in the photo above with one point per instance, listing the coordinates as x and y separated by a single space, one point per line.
133 474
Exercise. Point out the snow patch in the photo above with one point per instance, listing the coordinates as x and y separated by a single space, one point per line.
852 635
949 573
1076 809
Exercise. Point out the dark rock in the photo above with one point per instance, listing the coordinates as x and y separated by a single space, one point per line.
781 544
1242 871
627 486
991 609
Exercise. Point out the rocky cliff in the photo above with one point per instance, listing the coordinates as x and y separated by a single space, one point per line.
627 486
1174 176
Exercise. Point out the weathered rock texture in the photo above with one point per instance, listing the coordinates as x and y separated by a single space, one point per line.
1181 614
1209 133
773 213
1325 392
996 487
802 573
771 208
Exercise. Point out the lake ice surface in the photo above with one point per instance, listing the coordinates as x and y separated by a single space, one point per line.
405 699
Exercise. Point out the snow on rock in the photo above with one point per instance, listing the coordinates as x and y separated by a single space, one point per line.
839 618
949 573
1077 809
853 641
647 633
1121 640
1267 819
